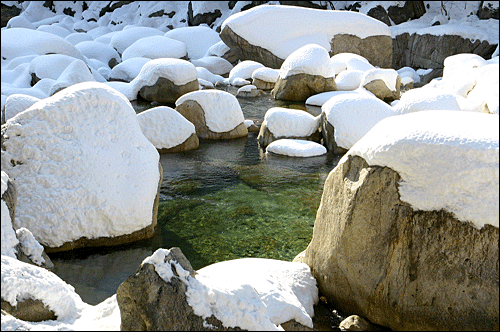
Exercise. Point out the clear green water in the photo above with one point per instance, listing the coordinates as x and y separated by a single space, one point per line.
225 200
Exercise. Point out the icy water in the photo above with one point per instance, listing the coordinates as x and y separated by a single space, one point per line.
225 200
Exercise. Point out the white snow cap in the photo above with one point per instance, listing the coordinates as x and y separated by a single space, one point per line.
487 87
353 115
35 42
321 98
179 71
349 80
350 61
288 122
214 64
243 70
446 159
78 37
50 65
21 281
155 47
425 99
388 76
309 59
165 127
222 110
98 51
89 145
53 29
198 39
17 103
9 238
296 148
30 246
266 74
123 39
128 69
284 29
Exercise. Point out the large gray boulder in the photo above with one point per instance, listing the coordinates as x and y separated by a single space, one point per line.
148 302
342 30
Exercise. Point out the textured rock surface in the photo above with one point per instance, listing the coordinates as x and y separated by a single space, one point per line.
429 51
29 310
193 111
165 91
147 302
299 87
376 49
382 91
328 134
191 143
375 256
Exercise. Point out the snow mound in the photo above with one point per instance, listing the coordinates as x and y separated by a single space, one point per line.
198 39
388 76
17 103
244 70
353 114
207 75
53 29
98 51
222 110
128 69
155 47
349 80
214 64
287 122
296 148
266 74
351 61
18 42
446 159
323 97
50 65
284 29
309 59
426 99
123 39
84 142
78 37
165 127
21 281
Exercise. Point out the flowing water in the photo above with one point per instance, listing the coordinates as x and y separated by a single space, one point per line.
225 200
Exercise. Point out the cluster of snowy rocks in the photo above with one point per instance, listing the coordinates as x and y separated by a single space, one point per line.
74 151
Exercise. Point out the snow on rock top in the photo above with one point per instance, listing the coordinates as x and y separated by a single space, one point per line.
388 76
50 65
446 159
22 281
426 99
9 238
353 115
128 69
222 110
295 27
17 42
310 59
99 51
123 39
155 47
165 127
198 39
266 74
260 293
178 71
287 122
296 148
84 142
244 70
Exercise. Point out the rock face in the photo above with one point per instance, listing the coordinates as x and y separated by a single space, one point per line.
328 134
376 49
429 51
299 87
373 255
191 143
165 91
380 89
29 310
147 302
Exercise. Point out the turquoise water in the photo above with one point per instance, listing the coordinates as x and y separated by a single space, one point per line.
225 200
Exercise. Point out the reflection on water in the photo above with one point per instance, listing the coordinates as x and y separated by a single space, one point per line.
225 200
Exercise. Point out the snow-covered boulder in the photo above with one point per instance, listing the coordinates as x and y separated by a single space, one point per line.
198 39
408 215
205 74
280 123
78 37
349 80
321 98
168 130
16 103
347 117
486 89
296 148
305 72
216 114
243 71
269 34
9 241
265 78
164 80
48 66
214 64
155 47
76 72
123 39
18 42
99 51
248 91
350 61
53 29
249 293
221 50
128 69
31 293
84 142
385 84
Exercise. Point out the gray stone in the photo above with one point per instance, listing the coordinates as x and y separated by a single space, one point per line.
29 310
355 323
193 111
328 134
411 10
165 91
299 87
382 91
147 302
10 197
380 14
406 269
263 85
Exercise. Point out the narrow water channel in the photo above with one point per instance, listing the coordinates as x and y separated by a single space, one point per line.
225 200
